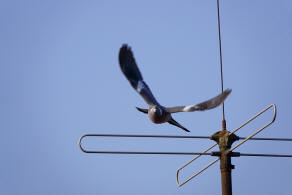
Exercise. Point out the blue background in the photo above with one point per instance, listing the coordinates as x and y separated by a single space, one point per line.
60 79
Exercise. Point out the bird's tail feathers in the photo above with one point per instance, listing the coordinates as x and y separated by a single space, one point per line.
175 123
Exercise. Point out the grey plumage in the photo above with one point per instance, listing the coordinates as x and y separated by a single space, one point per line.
157 113
206 105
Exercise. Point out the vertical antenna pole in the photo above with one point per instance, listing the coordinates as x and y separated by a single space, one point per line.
225 140
225 167
225 158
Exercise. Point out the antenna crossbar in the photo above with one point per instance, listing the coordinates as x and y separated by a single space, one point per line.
179 137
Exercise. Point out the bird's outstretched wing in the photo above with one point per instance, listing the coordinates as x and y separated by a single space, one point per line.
132 73
209 104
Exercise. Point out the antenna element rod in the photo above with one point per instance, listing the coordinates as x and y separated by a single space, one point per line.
220 49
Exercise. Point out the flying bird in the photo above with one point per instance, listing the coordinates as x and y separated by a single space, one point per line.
156 112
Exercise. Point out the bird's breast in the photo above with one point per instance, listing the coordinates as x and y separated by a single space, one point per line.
156 118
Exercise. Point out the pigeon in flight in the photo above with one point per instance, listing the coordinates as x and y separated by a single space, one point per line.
157 113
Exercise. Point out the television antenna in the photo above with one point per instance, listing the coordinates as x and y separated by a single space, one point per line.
224 139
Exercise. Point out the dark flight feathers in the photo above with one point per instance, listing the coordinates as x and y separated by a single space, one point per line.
129 66
132 73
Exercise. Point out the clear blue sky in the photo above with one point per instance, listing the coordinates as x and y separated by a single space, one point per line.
60 79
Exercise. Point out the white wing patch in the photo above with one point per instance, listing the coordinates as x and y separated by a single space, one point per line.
188 108
140 86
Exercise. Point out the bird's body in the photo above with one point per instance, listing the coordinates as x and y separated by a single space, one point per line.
157 113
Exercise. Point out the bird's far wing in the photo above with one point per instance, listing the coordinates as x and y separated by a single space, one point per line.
143 110
209 104
132 73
